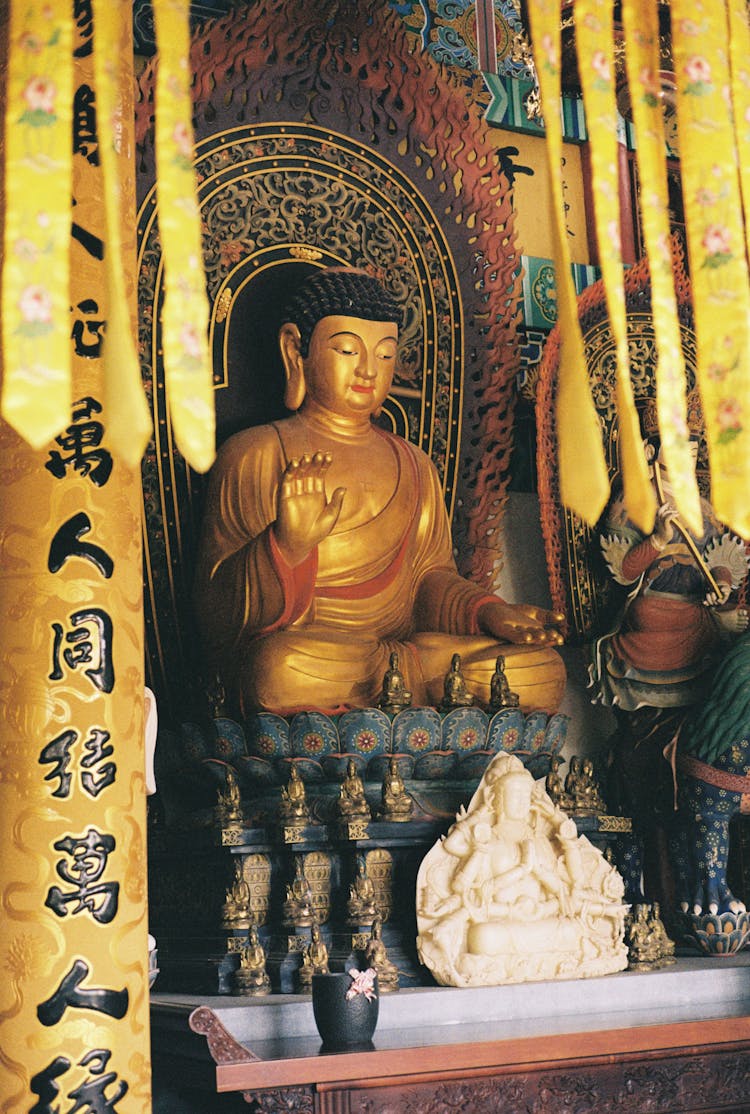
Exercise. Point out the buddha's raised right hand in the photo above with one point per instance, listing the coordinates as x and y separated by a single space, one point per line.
304 515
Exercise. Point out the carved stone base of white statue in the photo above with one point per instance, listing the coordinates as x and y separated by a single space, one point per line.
514 894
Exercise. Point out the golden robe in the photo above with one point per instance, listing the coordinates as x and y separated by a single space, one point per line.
320 635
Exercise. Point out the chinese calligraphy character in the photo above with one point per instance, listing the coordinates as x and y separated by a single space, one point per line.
89 644
84 124
67 543
70 993
82 441
96 774
90 1096
94 327
89 854
84 17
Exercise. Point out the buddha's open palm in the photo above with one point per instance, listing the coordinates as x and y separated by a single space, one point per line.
304 515
520 623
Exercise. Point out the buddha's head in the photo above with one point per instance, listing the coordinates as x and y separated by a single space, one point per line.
338 343
513 795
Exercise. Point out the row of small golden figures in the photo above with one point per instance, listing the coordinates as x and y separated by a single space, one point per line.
252 977
579 793
394 695
351 803
299 909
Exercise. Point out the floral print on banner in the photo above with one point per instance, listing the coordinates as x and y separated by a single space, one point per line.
643 61
712 104
595 43
187 364
36 395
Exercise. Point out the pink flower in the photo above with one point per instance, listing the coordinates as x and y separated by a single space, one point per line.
704 197
25 249
363 982
181 136
716 240
30 43
729 414
600 65
40 94
190 340
697 69
35 304
689 27
550 50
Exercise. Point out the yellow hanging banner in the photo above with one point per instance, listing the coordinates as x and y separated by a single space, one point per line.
710 171
130 423
584 482
36 394
595 45
641 27
739 61
187 364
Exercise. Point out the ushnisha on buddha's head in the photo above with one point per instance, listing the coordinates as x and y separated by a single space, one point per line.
338 343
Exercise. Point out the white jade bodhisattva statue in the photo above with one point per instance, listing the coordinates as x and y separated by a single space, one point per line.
514 894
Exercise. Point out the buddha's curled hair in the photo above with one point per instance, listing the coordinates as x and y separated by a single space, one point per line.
342 292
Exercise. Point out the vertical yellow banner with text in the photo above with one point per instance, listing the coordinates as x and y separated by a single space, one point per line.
73 934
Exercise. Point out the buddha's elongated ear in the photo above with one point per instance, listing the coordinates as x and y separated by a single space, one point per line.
294 365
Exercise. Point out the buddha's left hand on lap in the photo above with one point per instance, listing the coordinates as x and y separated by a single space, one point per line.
520 623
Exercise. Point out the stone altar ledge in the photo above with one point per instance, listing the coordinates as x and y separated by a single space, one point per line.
694 989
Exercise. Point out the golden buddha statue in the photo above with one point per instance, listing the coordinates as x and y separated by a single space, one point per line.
644 948
352 803
360 907
251 976
394 696
298 905
314 959
229 805
553 784
664 942
376 957
500 693
293 802
455 692
236 908
302 597
396 803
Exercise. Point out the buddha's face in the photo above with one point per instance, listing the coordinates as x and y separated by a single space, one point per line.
515 797
350 365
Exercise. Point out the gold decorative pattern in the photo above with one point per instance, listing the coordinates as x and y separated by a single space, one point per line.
256 870
302 251
317 868
615 823
380 871
355 829
223 302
